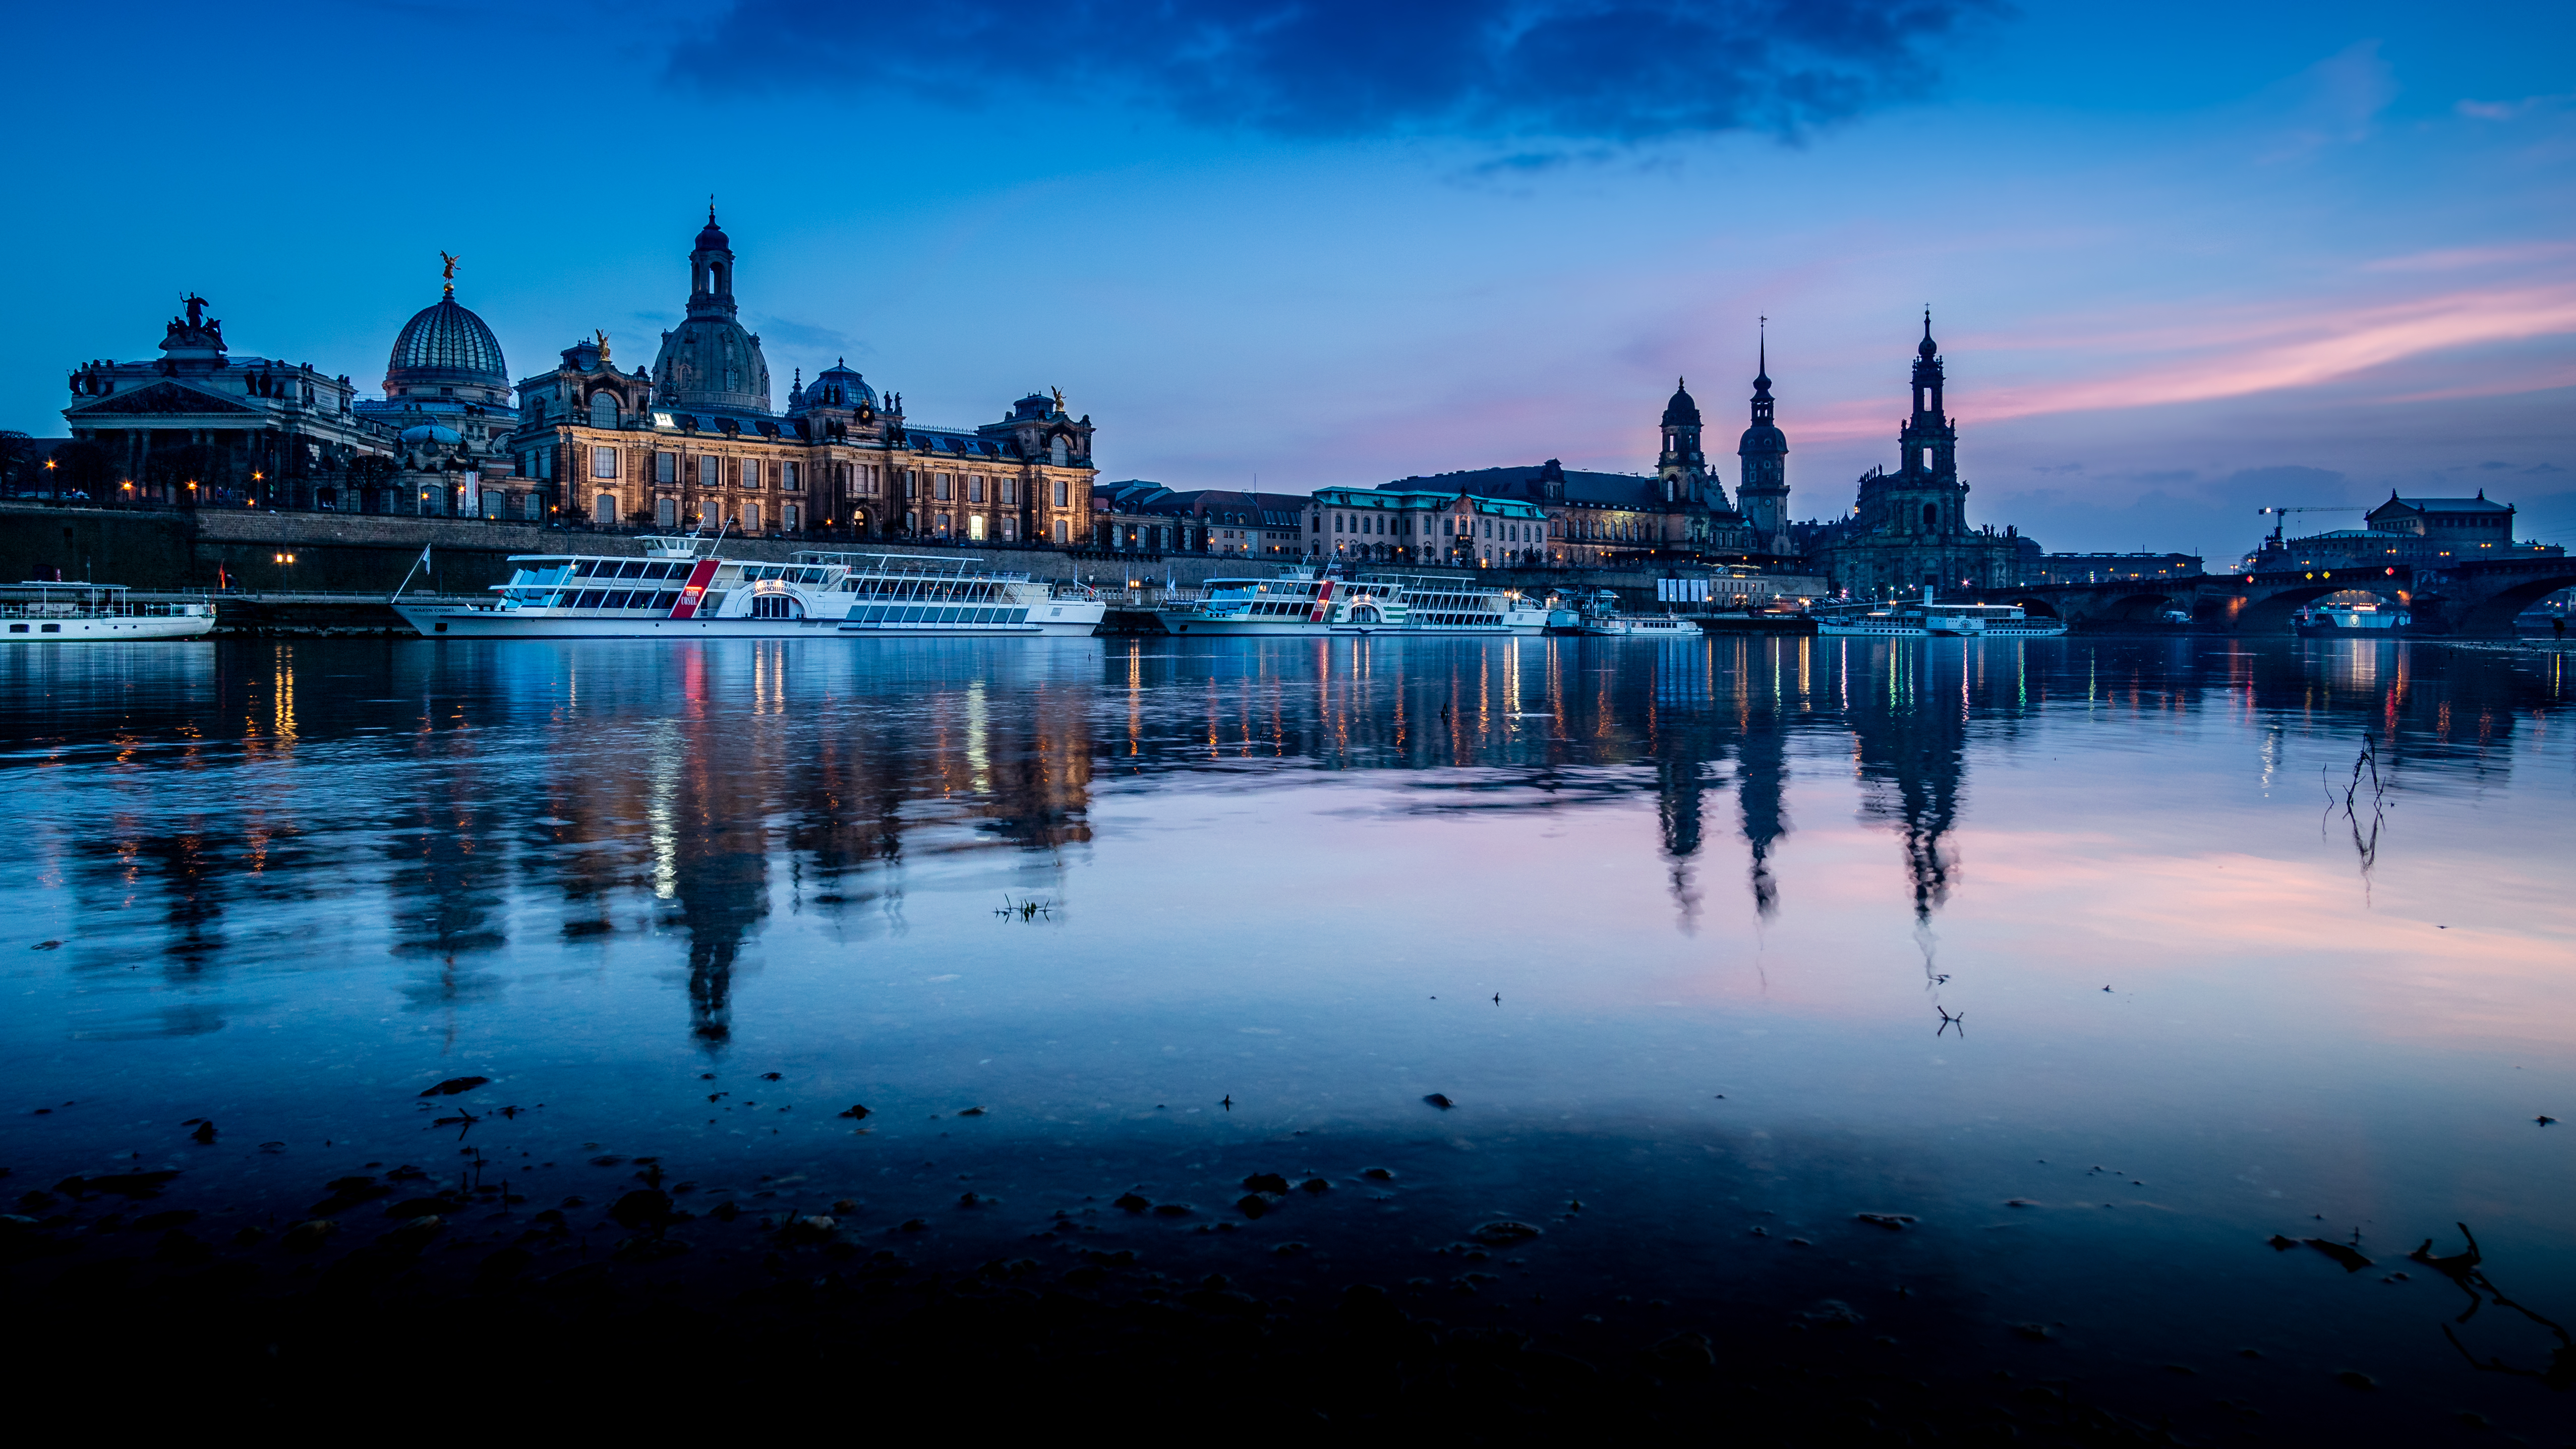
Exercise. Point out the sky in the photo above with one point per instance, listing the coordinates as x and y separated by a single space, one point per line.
2183 261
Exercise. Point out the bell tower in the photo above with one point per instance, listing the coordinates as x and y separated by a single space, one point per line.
1683 468
1762 487
711 271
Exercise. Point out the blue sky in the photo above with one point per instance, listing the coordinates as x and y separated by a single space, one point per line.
2184 260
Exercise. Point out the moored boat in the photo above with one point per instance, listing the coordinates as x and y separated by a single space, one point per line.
37 612
2349 620
1301 601
1928 618
681 589
1598 616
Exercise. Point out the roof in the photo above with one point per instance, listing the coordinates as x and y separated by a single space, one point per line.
446 342
2479 504
1607 490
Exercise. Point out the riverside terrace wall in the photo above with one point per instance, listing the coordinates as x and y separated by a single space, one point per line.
176 550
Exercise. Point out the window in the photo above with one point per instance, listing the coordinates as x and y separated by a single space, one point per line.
1058 453
603 410
975 527
793 480
1063 533
911 521
710 470
787 516
1059 496
666 467
975 489
1931 513
751 517
1010 530
603 462
666 511
939 486
1010 492
605 510
942 527
751 472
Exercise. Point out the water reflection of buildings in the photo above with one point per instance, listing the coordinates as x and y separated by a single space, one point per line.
697 793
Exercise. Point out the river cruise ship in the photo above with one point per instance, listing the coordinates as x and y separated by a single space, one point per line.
1927 618
680 589
2346 620
1299 601
37 612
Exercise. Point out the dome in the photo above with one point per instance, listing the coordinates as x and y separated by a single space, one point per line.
431 433
1928 350
1762 438
711 237
1681 410
446 346
838 387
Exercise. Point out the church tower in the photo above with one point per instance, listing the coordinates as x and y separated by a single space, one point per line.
1683 468
1762 488
1934 501
711 363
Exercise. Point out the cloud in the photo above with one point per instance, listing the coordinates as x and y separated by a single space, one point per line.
2492 467
2509 110
2057 468
807 334
2333 102
2286 484
1619 70
2544 468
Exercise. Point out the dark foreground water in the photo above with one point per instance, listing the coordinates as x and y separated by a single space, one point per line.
2094 960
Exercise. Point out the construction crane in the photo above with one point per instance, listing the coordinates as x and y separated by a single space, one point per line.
2275 540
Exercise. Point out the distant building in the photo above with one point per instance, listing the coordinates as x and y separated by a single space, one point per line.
1678 513
1909 529
1136 516
2100 568
1391 525
695 442
199 426
2415 532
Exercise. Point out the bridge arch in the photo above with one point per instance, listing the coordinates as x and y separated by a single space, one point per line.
2491 613
2271 613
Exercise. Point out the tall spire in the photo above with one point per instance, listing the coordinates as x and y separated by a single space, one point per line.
1762 355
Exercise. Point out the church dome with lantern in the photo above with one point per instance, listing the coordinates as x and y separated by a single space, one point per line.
445 351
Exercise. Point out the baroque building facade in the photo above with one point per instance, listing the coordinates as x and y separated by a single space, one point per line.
694 442
1909 529
200 426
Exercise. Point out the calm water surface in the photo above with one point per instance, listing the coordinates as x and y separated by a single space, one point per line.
2069 949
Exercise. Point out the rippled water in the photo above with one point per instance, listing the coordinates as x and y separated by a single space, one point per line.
2104 960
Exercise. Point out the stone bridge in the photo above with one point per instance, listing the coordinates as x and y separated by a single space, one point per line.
2477 599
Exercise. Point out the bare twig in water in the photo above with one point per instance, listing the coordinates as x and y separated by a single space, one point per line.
2365 771
1028 910
1950 1019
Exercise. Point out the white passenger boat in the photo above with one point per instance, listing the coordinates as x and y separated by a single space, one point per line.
680 589
1928 618
37 612
1299 601
1599 617
2329 621
1434 604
